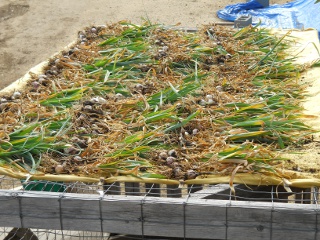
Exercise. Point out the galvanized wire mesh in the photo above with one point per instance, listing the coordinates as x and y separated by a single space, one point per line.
274 202
207 191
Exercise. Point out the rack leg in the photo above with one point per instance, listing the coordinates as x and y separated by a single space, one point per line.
21 234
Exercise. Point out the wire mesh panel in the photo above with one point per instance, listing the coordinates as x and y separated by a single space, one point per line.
54 210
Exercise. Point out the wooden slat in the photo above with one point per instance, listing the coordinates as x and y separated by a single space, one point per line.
271 221
36 211
253 224
76 211
122 214
165 217
203 221
300 226
10 210
169 217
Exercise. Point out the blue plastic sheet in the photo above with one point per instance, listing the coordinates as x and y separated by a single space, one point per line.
298 14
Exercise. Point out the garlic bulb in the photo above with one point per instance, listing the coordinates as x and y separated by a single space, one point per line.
59 169
16 95
170 160
172 153
163 155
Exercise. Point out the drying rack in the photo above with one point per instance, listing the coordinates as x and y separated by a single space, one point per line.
42 210
143 210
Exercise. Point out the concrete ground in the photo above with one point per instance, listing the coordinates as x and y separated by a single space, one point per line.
33 30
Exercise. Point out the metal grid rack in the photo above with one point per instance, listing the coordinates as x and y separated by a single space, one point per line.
138 210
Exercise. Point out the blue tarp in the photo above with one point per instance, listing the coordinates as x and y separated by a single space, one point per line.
298 14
